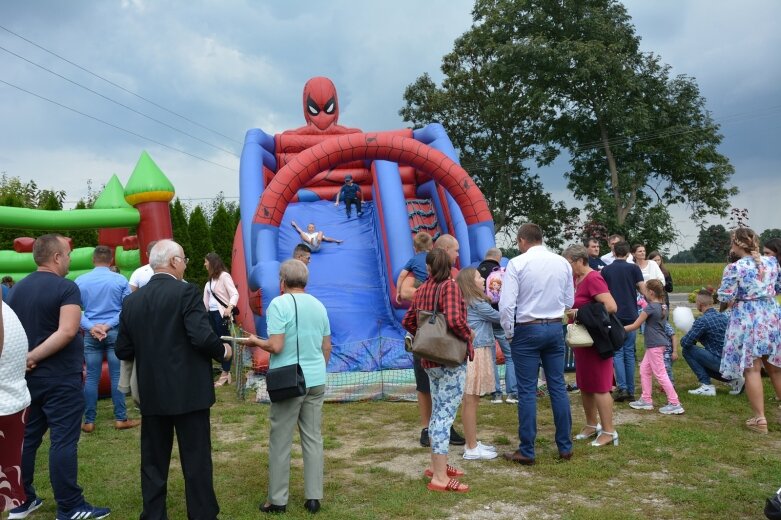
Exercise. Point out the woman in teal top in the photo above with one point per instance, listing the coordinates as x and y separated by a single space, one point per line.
296 321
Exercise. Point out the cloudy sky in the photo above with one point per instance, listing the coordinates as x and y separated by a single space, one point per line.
227 66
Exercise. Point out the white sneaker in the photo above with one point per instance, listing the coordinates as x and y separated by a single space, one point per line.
641 405
708 390
486 447
479 453
671 409
511 399
737 385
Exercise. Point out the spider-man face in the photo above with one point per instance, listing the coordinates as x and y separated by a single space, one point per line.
321 106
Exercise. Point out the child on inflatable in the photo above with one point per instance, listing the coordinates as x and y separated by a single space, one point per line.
405 284
313 238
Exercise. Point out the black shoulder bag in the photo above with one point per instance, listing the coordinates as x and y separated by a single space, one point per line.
234 310
288 381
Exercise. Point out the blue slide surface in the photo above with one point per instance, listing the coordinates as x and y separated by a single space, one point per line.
350 280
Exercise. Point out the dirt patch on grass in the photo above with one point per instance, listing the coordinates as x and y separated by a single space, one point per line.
629 416
502 511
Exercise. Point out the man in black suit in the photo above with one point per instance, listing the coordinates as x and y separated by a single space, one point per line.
165 328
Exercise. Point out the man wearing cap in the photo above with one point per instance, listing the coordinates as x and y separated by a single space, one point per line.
351 193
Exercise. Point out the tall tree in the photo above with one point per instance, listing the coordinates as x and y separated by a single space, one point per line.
712 244
15 193
201 244
222 229
179 226
768 234
568 75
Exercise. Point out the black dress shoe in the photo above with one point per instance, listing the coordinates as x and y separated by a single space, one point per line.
271 508
565 456
424 439
515 456
455 438
312 505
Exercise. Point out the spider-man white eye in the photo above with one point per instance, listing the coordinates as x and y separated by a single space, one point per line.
330 106
312 107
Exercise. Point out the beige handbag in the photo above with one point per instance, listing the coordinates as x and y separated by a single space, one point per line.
434 340
578 336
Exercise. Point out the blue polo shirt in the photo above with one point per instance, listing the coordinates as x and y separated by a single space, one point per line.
622 279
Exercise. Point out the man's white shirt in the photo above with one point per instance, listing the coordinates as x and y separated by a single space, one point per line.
537 285
608 258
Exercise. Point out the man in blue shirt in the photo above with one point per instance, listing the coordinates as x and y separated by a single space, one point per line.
594 261
624 280
709 329
102 292
351 193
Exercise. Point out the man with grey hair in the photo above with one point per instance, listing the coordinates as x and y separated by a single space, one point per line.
49 307
537 289
165 328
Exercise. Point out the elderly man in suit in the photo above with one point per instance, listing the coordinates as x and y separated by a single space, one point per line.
165 328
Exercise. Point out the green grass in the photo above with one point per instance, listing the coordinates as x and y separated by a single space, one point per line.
691 277
701 465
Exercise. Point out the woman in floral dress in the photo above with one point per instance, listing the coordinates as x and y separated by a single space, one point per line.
749 286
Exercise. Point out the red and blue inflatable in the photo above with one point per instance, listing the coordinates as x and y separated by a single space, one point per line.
410 180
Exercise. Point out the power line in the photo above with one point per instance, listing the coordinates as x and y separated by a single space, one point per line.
117 127
119 86
119 103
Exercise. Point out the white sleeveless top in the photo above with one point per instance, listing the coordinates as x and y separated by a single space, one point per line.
14 396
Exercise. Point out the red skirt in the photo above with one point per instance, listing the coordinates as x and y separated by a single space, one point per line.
592 373
11 487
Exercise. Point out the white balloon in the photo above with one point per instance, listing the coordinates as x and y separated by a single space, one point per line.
683 318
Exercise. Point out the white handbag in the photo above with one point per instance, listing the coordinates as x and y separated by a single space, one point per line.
578 336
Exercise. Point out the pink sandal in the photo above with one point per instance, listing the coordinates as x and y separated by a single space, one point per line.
452 485
451 472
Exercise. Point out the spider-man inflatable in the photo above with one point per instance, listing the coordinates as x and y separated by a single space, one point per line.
410 181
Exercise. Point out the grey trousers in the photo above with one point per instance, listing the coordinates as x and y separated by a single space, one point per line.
307 412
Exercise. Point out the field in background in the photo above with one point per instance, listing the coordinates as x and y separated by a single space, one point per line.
691 277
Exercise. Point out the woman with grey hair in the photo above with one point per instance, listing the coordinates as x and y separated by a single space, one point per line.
298 329
594 375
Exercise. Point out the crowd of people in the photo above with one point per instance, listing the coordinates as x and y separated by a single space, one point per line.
540 289
54 327
153 322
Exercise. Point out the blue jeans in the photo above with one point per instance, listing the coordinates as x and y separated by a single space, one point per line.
57 405
510 386
624 364
93 356
447 390
704 363
215 318
531 345
668 363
